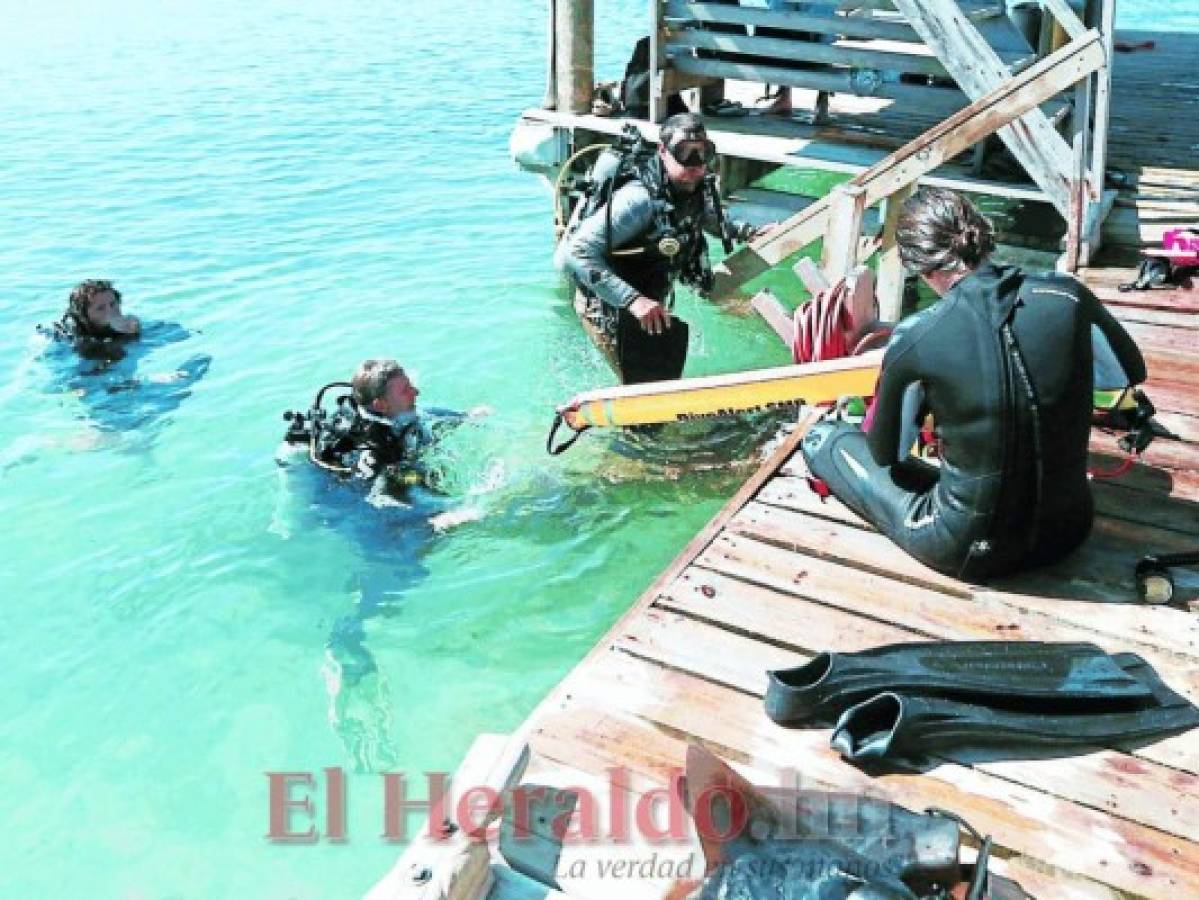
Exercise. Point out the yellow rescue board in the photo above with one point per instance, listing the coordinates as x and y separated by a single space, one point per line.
713 396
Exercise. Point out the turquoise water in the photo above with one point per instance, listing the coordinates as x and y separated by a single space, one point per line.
301 185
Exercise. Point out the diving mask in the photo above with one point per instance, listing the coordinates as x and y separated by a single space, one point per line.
692 151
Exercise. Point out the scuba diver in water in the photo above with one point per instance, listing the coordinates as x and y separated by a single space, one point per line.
1004 364
93 324
93 321
639 228
97 348
374 435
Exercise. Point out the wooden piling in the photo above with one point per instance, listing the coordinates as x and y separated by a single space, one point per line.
574 54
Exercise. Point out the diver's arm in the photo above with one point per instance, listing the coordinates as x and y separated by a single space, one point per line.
1125 349
897 374
739 229
585 252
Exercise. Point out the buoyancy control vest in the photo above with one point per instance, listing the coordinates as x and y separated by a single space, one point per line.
353 442
674 246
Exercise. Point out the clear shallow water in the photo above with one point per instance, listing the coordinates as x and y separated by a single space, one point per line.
301 185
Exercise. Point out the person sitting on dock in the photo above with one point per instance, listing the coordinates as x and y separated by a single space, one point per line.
643 229
1004 364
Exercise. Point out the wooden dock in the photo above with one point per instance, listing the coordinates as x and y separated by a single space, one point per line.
780 575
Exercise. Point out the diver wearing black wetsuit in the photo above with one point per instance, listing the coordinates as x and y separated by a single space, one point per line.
374 433
1004 363
626 251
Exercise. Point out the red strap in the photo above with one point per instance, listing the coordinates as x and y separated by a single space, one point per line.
819 486
1119 470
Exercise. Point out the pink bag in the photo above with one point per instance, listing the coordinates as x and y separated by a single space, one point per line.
1182 246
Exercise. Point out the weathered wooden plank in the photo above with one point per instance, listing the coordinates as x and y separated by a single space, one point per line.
1101 779
1066 17
1184 426
847 206
776 315
891 271
1115 500
1170 396
1079 189
787 51
657 62
978 70
1114 851
767 139
840 81
1087 587
1099 573
813 278
919 157
1040 879
575 735
681 11
1152 316
809 605
1158 337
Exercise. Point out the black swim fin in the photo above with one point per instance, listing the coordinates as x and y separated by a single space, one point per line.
1051 676
895 726
643 357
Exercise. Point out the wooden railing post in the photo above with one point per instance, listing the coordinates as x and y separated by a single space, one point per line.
574 54
657 63
1103 90
847 206
551 75
891 274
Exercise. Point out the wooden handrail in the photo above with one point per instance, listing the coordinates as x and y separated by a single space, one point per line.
985 116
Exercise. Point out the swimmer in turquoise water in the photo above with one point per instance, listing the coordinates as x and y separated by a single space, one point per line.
93 322
95 350
374 433
371 437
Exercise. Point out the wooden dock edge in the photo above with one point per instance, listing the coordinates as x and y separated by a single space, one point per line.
696 546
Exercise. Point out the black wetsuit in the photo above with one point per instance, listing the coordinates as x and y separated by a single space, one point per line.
1004 362
102 367
92 342
363 446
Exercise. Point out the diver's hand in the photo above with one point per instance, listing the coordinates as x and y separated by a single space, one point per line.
653 316
125 324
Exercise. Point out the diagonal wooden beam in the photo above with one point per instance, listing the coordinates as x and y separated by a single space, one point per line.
1009 101
977 69
1066 17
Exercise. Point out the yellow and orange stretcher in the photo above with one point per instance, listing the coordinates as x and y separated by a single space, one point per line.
760 390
